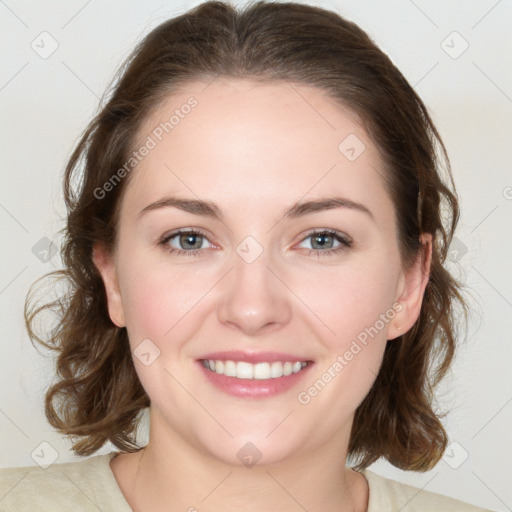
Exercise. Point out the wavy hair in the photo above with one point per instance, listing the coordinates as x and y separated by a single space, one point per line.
96 396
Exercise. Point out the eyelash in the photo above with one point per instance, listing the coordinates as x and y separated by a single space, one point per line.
345 243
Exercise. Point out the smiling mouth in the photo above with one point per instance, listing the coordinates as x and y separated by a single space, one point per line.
257 371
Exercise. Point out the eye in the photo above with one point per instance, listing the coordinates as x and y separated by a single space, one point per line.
187 242
322 242
190 242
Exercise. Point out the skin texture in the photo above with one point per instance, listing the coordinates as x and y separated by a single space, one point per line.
255 150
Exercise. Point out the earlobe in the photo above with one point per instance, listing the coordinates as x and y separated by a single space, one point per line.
106 266
413 283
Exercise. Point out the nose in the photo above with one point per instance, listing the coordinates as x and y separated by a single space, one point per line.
254 299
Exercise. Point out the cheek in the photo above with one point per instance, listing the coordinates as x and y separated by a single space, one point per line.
352 299
356 310
155 298
163 301
161 304
356 305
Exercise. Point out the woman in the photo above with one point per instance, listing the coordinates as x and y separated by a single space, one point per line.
255 252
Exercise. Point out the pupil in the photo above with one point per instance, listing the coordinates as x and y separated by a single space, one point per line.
320 239
190 239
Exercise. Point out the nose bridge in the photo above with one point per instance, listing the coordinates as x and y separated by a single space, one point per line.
254 297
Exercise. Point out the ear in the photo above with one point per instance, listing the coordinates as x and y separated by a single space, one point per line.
411 289
106 265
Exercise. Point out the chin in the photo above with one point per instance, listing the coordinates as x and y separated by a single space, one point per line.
249 451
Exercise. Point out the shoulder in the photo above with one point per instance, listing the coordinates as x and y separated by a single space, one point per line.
88 485
387 494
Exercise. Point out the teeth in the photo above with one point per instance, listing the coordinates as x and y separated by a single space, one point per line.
244 370
262 371
276 369
297 367
258 371
229 369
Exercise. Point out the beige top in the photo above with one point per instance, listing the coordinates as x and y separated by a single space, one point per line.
90 485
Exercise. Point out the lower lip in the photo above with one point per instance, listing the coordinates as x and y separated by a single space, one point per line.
254 388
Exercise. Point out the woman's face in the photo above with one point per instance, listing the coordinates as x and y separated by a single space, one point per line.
257 170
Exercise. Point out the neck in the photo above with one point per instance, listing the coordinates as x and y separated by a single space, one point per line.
172 475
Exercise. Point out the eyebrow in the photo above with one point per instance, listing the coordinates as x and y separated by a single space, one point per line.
209 209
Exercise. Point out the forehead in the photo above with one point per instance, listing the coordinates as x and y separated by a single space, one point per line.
262 145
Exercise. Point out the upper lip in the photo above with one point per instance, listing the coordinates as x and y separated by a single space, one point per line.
253 357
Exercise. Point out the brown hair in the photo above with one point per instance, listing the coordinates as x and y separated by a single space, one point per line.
97 396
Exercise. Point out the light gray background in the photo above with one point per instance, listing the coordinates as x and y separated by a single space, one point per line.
47 102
